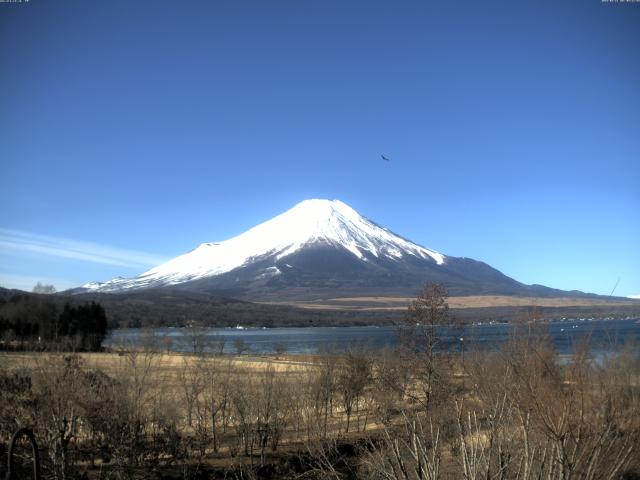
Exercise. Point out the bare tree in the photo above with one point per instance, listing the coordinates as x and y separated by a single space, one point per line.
191 385
44 288
217 344
241 346
197 337
58 383
243 400
280 349
413 453
167 343
420 336
217 397
323 389
272 411
353 378
390 380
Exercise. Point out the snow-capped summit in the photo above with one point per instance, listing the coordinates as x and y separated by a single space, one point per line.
311 223
318 249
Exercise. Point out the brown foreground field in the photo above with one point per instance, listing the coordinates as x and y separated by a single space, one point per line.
519 413
168 365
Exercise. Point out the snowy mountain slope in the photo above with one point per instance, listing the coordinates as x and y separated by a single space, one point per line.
311 222
319 249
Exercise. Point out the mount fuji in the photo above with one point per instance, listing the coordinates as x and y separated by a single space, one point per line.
319 249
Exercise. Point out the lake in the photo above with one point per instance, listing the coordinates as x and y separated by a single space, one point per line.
606 335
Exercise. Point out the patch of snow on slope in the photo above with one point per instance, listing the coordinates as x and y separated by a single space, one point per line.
270 272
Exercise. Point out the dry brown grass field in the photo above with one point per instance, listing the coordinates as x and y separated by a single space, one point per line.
475 301
166 364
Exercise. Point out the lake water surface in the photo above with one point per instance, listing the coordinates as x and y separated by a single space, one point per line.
605 335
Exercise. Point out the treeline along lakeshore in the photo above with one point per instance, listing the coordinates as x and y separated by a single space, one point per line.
178 308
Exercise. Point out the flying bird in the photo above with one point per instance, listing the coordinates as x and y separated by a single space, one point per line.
386 159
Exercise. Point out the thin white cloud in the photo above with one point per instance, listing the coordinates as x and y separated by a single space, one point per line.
634 296
20 241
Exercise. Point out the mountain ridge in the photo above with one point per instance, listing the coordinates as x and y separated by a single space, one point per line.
320 249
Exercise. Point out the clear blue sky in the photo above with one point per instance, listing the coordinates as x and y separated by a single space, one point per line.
131 131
